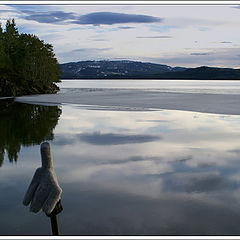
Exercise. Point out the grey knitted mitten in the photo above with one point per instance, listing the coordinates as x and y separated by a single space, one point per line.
44 191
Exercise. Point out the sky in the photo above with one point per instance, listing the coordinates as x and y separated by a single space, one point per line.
176 35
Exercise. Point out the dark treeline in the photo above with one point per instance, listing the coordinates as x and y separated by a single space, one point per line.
27 64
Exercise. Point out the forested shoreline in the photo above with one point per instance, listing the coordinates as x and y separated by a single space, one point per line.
27 64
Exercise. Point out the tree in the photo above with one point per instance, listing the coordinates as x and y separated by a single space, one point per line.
27 64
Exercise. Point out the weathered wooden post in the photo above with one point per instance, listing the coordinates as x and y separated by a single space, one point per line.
44 192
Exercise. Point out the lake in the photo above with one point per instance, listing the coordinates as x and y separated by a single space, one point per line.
148 172
182 86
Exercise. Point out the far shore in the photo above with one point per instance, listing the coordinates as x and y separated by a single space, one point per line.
146 79
143 100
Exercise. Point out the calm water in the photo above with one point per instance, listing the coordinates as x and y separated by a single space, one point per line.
123 172
186 86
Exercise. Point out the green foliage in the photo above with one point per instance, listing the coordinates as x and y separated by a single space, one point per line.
27 64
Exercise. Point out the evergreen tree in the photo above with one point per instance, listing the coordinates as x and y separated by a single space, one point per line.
27 64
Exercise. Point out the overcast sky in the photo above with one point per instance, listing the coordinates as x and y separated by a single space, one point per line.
175 35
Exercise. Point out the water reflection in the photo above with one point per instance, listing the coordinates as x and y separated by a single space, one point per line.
98 138
24 125
178 179
135 173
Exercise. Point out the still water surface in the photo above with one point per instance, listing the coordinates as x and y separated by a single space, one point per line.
183 86
123 172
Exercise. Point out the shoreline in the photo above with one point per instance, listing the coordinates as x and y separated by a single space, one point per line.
146 100
149 80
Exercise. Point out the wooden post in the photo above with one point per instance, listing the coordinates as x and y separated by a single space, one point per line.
54 219
55 227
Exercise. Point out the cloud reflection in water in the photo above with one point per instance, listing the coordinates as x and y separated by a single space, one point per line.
180 177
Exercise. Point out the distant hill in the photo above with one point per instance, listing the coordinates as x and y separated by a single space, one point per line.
139 70
201 73
112 69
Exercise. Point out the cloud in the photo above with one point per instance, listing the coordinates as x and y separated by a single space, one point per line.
91 49
184 159
200 54
95 18
237 151
154 37
8 10
162 28
206 183
205 165
51 37
63 140
131 160
97 138
98 40
153 120
85 54
200 23
49 17
109 18
218 57
115 139
197 182
125 27
203 29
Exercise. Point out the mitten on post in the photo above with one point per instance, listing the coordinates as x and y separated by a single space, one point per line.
44 191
